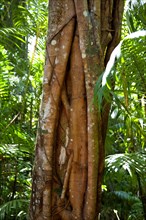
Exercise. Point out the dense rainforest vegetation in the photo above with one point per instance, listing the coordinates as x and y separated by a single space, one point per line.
23 30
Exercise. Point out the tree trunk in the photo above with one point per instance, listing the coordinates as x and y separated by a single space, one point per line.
69 156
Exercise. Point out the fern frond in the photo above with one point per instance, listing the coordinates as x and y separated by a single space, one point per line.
132 163
129 57
126 196
11 207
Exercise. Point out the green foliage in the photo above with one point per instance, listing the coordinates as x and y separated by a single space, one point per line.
121 178
136 15
128 93
23 27
8 210
132 164
5 72
123 84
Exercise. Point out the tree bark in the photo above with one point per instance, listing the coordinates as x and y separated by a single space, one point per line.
69 156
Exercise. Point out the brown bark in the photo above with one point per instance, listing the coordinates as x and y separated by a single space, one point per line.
69 157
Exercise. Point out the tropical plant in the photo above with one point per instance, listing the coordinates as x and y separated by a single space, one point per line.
5 72
128 92
22 36
123 174
123 84
15 209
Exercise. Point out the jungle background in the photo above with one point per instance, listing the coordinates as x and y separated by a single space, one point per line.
23 30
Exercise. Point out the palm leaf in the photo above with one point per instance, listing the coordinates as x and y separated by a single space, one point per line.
131 163
128 57
125 196
14 206
5 71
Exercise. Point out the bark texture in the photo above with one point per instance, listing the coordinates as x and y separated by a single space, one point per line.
69 156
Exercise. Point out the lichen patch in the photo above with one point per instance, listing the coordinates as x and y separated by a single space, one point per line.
85 13
53 42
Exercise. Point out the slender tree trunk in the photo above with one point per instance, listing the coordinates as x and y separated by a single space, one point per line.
69 157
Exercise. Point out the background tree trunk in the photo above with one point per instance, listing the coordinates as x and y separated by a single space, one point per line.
69 156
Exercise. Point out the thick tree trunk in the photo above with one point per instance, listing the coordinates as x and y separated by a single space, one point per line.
69 157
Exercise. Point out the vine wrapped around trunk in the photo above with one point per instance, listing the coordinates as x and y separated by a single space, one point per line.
69 156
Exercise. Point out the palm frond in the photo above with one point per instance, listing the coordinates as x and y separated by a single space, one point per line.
136 15
128 57
126 196
16 207
5 72
131 163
